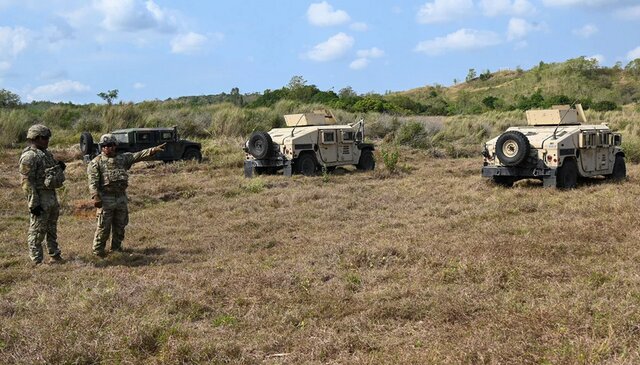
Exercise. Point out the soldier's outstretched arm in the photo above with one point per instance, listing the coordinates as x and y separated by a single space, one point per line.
145 154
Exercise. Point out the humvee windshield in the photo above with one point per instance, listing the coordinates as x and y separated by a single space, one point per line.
122 138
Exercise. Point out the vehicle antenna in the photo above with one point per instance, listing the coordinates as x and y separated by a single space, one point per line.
565 114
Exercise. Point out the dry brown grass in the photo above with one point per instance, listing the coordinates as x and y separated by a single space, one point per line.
430 265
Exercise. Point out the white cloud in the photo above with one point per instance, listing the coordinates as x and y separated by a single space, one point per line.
586 31
134 15
633 54
13 41
598 57
323 15
359 27
335 47
187 43
139 85
630 13
520 28
374 52
4 66
364 57
359 64
507 7
58 90
443 11
461 40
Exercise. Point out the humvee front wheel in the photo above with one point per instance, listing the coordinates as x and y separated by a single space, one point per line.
306 165
367 162
512 148
192 154
619 169
567 174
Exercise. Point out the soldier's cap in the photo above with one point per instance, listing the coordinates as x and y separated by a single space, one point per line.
38 130
108 139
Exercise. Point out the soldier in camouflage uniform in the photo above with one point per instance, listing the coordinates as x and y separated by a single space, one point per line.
108 181
41 175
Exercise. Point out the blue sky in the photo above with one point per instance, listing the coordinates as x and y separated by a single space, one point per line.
156 49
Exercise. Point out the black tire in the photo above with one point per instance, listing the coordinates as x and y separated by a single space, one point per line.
619 169
260 145
86 143
505 181
567 174
306 165
367 162
512 148
192 154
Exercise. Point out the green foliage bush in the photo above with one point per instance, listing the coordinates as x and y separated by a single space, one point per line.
14 125
390 159
413 134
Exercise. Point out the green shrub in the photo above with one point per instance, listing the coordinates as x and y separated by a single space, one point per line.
390 159
14 125
413 134
631 148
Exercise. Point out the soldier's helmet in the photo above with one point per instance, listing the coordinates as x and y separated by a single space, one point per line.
108 139
38 130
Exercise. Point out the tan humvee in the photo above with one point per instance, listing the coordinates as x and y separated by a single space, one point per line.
308 142
557 146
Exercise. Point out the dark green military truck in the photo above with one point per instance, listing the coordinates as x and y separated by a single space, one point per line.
138 139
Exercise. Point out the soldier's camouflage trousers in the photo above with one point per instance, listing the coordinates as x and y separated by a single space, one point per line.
44 226
112 218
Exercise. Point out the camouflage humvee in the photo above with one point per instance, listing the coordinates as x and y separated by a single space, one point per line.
557 147
138 139
310 141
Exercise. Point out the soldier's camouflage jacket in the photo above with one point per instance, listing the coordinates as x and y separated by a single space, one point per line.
39 171
109 174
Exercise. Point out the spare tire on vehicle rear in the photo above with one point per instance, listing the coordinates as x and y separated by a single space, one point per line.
512 148
86 143
260 145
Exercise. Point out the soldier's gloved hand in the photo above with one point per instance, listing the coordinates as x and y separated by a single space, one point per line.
97 202
157 149
62 165
37 210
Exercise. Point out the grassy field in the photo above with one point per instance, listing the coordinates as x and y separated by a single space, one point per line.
432 264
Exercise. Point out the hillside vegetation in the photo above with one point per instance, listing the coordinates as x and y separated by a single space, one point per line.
450 121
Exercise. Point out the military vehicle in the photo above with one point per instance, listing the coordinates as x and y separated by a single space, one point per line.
557 147
308 142
138 139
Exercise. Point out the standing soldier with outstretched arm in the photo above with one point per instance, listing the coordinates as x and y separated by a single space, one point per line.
108 181
40 176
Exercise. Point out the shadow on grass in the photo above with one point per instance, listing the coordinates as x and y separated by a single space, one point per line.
135 258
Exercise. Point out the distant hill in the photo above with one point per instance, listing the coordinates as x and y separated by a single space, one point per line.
578 79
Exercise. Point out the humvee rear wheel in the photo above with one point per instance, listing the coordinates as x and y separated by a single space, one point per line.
192 154
306 165
619 168
512 148
367 162
259 144
505 181
567 175
86 143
